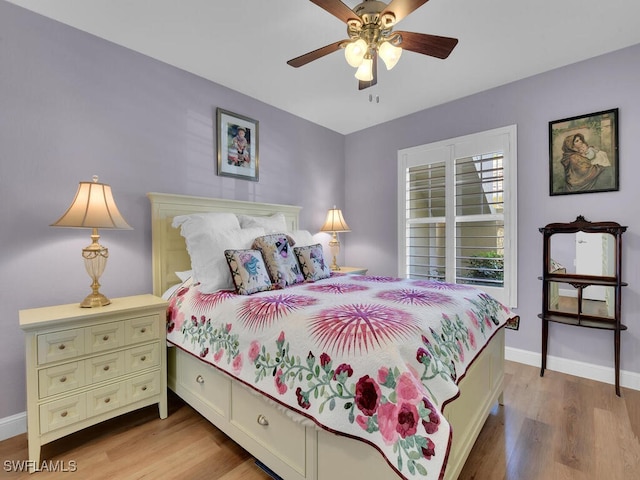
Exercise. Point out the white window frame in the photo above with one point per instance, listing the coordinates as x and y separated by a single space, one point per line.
503 140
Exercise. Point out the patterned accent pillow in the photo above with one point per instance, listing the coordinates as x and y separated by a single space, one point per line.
277 251
248 271
311 260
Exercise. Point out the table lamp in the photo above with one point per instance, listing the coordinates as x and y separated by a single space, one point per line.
93 207
335 223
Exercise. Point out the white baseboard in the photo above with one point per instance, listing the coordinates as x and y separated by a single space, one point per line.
13 425
573 367
17 424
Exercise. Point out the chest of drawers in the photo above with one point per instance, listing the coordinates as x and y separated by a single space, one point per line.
85 366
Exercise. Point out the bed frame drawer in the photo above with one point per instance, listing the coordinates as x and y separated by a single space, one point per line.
204 382
268 426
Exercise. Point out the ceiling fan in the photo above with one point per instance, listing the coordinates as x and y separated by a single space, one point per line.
370 29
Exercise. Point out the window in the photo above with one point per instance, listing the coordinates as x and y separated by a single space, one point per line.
457 211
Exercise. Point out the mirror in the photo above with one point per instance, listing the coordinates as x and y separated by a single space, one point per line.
564 298
583 254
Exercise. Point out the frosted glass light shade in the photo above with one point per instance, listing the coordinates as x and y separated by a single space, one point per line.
389 54
354 52
365 70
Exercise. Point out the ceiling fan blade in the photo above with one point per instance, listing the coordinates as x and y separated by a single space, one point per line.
337 9
316 54
374 69
402 8
432 45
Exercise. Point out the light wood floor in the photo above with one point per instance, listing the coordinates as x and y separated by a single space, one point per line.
551 428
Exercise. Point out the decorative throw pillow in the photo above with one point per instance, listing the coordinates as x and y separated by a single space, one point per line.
277 251
272 224
248 271
311 260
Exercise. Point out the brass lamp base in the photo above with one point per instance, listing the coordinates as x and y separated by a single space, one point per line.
95 300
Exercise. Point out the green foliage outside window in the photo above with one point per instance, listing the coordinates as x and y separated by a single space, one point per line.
487 265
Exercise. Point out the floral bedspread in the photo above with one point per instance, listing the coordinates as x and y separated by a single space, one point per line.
375 358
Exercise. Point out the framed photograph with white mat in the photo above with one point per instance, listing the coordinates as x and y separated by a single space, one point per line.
237 139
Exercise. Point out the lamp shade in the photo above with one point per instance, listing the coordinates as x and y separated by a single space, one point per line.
93 207
335 222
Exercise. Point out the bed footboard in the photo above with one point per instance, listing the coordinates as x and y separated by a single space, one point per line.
297 451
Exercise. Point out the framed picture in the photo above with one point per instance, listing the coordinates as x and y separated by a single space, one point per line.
237 145
583 154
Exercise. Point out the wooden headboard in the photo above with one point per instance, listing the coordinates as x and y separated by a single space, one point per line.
168 249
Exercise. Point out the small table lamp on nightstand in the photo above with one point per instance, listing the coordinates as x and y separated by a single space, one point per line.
93 207
333 224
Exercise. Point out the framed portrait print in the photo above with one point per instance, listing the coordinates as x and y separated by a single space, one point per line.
583 154
237 145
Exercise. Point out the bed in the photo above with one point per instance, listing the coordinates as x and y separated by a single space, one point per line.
289 441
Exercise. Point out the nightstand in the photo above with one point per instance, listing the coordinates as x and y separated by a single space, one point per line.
352 270
86 365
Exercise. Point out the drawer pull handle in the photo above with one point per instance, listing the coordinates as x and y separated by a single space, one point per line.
105 338
144 388
107 400
142 330
106 368
262 420
62 346
64 414
143 358
200 379
63 379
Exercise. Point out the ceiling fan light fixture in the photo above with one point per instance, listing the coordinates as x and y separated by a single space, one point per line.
390 54
365 70
355 51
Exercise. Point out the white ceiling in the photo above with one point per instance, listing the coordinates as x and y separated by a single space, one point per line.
244 45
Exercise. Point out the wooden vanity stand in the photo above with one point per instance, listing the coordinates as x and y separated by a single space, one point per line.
611 278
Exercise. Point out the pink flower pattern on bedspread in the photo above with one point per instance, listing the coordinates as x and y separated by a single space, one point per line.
374 358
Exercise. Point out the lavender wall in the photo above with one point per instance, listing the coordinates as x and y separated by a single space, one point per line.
606 82
72 106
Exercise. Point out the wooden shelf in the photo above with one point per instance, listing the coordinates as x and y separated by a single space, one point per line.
583 321
584 280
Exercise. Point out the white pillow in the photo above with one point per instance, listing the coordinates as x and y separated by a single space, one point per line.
170 292
276 223
302 238
203 222
184 275
209 263
207 236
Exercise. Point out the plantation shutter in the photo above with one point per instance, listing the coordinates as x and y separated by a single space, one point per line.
457 218
479 217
